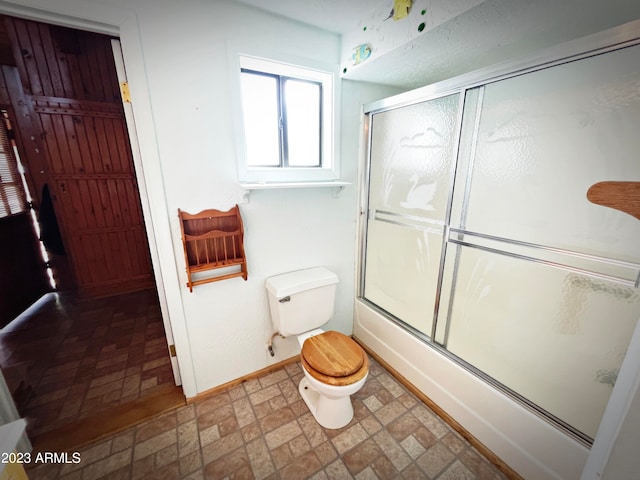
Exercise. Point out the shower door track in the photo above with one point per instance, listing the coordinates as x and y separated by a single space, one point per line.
607 261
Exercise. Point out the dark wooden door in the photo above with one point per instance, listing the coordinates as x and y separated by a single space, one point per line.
69 81
97 193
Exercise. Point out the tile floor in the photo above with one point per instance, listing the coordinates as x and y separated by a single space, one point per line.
261 429
68 358
76 358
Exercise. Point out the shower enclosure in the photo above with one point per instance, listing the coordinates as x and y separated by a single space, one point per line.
479 239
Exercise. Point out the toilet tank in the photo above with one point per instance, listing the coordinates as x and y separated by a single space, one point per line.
302 300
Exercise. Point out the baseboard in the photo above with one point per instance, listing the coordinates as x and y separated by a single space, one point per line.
238 381
86 430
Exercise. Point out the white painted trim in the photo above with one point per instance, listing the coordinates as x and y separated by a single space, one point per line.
9 413
124 23
146 208
10 436
147 140
68 13
627 387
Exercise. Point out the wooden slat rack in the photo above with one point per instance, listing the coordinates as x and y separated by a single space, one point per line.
213 240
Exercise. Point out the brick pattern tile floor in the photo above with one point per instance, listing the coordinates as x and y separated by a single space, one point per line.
77 357
262 429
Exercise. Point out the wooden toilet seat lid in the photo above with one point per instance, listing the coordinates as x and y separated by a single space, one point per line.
337 381
333 354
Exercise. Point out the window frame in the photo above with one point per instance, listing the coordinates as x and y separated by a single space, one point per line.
13 196
300 70
283 117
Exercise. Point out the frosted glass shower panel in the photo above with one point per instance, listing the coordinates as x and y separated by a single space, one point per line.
411 154
543 139
536 330
412 150
535 287
402 270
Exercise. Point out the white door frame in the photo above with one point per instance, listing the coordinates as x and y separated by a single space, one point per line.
9 413
123 23
144 198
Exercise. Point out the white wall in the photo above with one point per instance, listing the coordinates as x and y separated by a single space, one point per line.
186 57
177 60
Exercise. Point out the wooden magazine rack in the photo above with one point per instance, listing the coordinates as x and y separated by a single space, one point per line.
213 242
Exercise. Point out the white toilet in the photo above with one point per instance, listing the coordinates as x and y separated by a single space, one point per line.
335 367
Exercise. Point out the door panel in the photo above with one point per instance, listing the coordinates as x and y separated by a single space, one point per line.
555 337
70 87
410 173
97 193
402 271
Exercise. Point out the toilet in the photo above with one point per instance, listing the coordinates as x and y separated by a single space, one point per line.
334 365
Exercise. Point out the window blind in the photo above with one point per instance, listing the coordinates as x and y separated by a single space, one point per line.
12 194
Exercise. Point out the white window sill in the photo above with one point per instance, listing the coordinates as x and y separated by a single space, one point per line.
247 187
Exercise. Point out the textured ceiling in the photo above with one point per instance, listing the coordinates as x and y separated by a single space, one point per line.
492 31
339 16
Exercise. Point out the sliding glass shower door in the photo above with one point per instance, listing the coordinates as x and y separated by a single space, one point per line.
412 152
499 260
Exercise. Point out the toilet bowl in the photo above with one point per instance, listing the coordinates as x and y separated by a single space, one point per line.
334 365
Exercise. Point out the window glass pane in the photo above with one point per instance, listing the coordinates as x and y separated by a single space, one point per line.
261 119
302 103
402 270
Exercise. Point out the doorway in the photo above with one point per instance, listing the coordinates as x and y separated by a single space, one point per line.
69 87
63 85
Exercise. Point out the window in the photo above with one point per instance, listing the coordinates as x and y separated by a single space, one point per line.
287 122
282 120
15 196
12 195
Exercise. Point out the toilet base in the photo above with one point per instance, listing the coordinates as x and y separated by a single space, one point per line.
329 412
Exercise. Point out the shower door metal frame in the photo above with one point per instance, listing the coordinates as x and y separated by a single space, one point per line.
627 35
